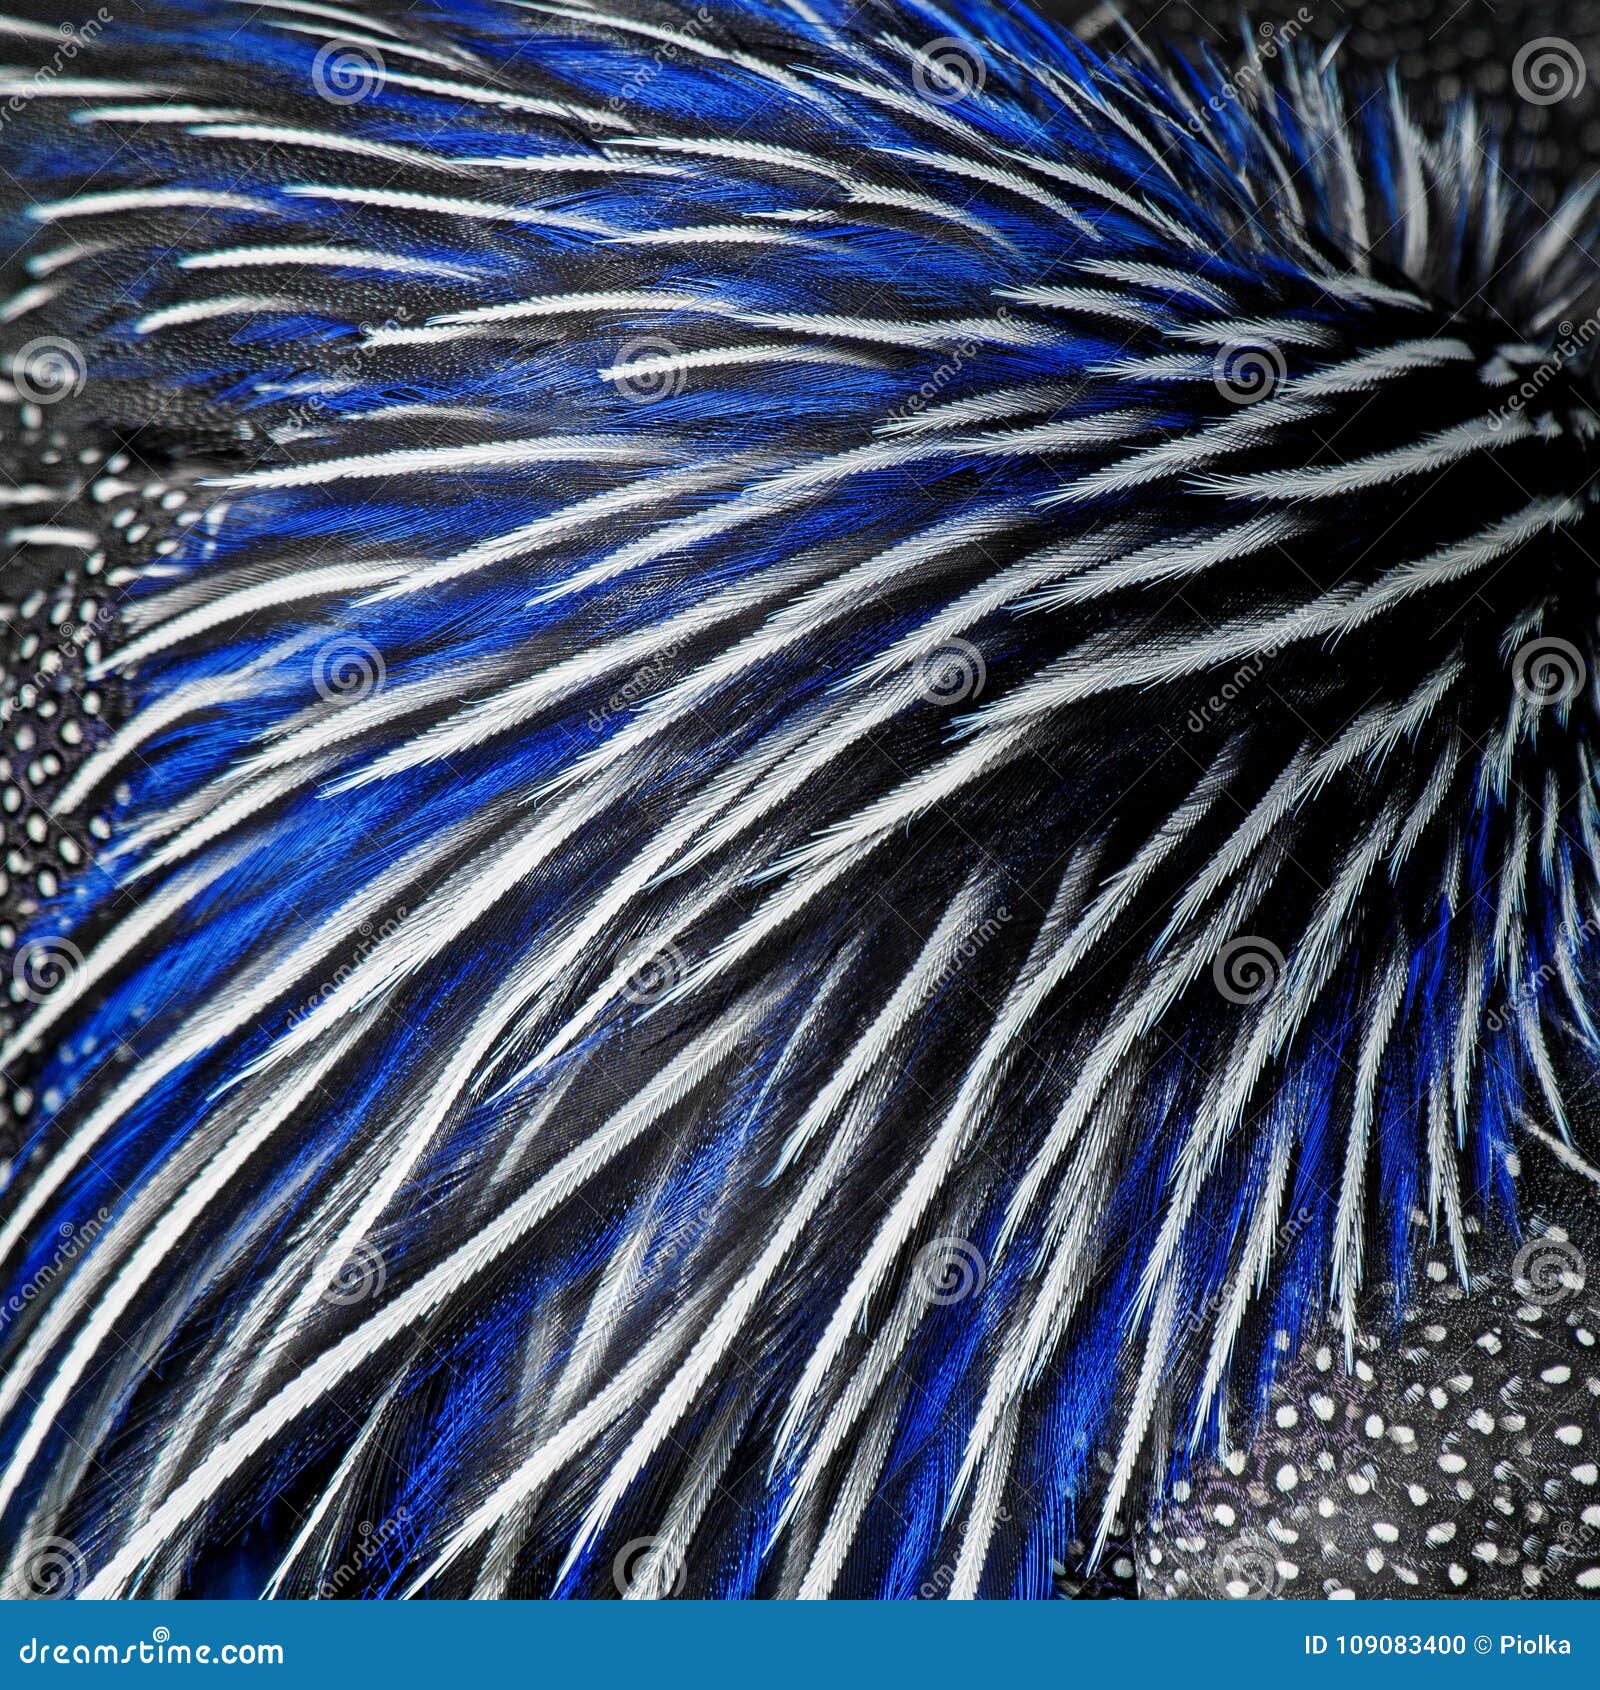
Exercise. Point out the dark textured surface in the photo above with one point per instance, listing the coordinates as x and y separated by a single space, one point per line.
1457 1457
1458 1454
58 611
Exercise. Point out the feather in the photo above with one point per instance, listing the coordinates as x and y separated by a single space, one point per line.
823 702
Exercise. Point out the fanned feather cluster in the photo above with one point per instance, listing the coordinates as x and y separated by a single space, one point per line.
856 746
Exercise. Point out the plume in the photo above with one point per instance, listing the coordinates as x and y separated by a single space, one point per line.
855 744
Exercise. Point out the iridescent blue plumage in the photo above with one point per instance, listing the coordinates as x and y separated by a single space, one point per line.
845 776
